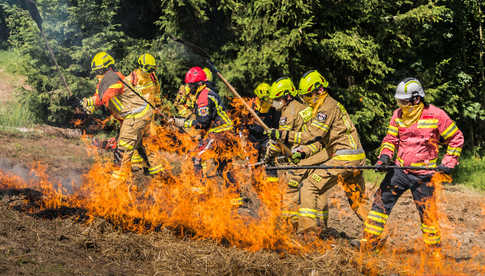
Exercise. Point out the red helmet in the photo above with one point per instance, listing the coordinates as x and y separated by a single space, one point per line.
195 74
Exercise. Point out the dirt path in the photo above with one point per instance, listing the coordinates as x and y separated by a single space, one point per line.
55 242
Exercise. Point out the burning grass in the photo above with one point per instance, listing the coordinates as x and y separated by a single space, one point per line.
201 208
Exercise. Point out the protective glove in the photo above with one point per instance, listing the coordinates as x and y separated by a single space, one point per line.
179 122
88 105
444 169
275 134
270 152
384 160
297 156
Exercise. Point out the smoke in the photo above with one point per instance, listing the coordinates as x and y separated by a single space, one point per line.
20 170
70 180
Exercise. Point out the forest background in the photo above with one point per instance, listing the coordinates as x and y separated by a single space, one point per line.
363 48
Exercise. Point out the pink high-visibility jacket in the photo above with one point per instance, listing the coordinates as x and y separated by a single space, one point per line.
418 144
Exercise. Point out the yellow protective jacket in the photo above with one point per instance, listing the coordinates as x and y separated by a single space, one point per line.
146 84
333 129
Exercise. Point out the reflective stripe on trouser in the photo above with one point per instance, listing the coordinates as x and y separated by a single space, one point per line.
392 187
431 235
291 198
374 223
313 209
353 183
136 160
132 132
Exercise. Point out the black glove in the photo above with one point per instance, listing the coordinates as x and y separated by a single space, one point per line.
384 160
444 169
256 130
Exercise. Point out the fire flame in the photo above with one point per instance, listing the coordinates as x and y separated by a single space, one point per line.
183 201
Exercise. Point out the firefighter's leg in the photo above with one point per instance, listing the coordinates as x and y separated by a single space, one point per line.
425 200
155 167
391 188
291 197
136 161
128 138
313 209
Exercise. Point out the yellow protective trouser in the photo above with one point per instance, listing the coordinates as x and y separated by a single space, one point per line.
137 161
313 208
291 198
132 132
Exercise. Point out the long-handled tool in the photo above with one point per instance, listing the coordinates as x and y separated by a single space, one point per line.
203 53
323 167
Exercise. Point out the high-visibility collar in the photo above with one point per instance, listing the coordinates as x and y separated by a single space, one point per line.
320 101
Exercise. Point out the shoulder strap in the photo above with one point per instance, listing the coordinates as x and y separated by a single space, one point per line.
109 78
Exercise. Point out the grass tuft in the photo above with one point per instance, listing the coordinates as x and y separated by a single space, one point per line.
471 172
16 115
11 61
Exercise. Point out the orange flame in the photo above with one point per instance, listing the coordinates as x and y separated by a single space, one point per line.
184 201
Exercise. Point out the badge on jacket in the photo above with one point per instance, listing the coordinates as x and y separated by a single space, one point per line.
283 121
203 111
321 117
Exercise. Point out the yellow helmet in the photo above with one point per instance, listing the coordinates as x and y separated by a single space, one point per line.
147 63
208 73
101 60
262 90
281 87
310 81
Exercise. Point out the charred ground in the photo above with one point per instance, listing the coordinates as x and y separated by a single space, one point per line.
64 241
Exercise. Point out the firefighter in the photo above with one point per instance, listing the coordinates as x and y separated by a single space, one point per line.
284 98
294 114
212 119
414 132
185 100
270 116
133 112
146 83
330 126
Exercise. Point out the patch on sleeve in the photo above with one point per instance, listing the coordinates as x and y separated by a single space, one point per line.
283 121
321 117
316 178
203 111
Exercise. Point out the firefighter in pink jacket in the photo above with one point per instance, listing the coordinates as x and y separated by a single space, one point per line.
414 134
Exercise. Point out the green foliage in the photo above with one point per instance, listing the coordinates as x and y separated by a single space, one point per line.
11 62
471 172
363 47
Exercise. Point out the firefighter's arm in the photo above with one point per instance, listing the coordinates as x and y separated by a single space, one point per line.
310 149
390 141
453 137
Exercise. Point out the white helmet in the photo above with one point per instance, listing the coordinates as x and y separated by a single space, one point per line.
408 88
